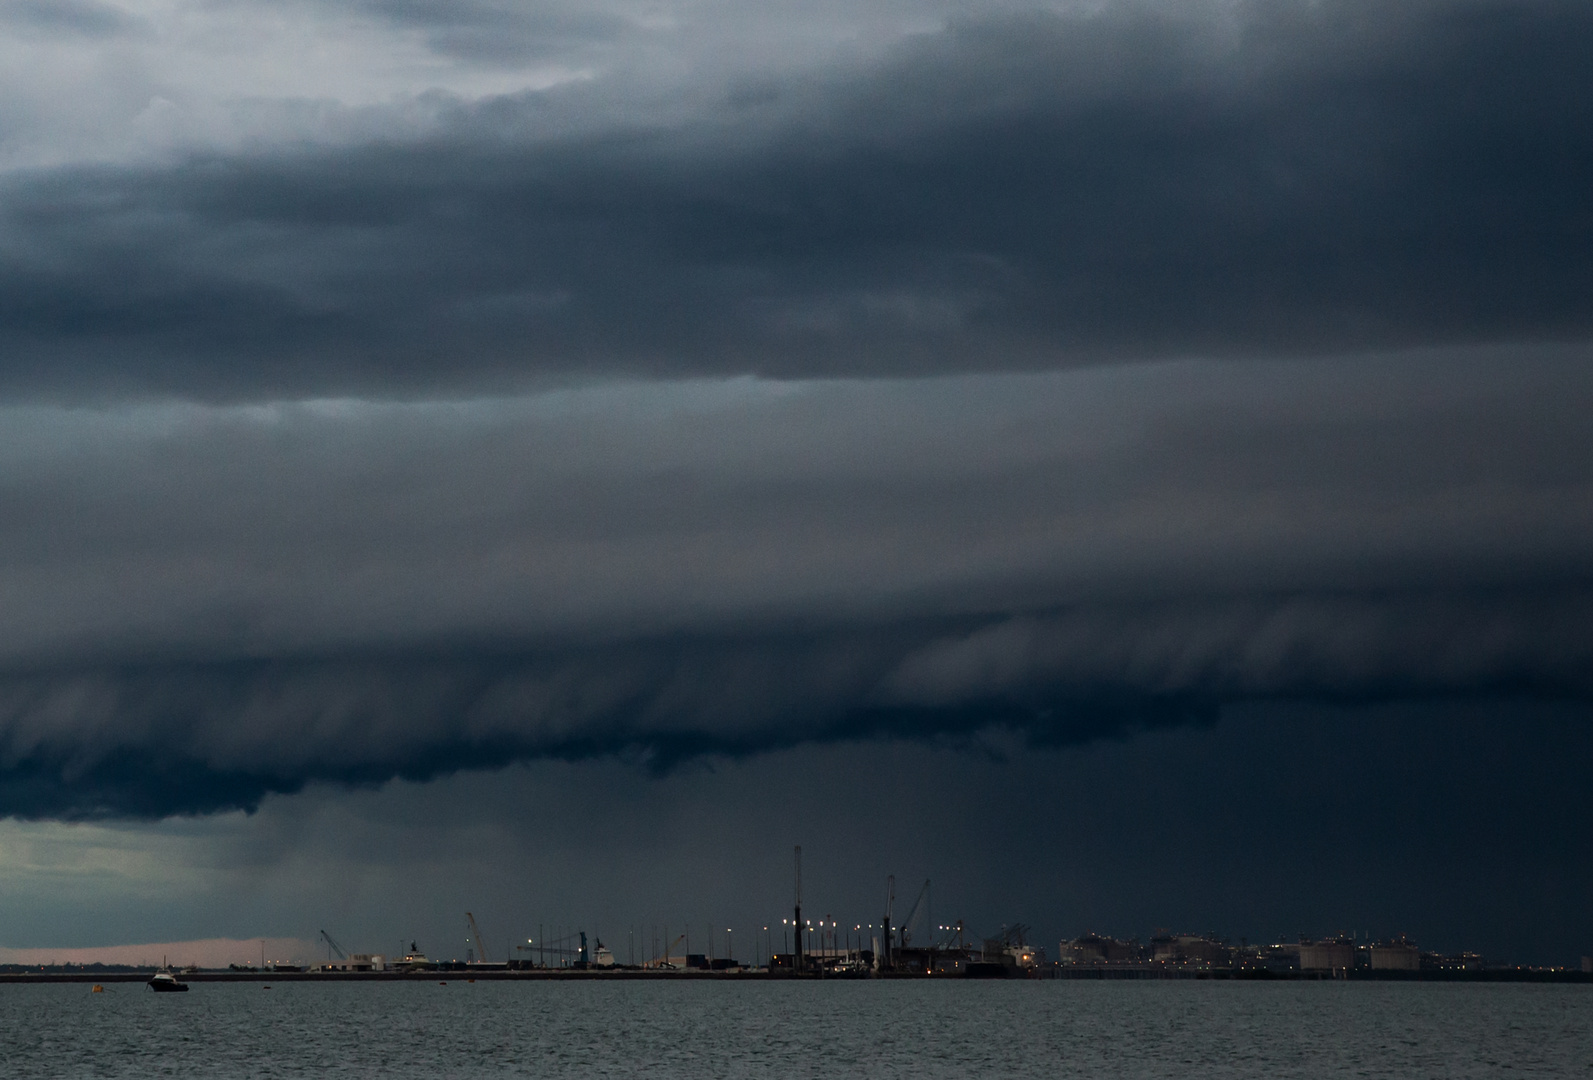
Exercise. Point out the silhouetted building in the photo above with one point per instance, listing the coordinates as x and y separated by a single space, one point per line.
1190 949
1280 958
1094 949
1336 955
1396 955
1466 961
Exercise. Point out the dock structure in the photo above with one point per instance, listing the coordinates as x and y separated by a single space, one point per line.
827 948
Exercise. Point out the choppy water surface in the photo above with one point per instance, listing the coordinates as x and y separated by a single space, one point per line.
941 1029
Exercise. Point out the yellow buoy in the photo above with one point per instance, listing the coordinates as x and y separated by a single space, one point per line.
98 989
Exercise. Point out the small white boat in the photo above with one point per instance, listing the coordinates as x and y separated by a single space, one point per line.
164 982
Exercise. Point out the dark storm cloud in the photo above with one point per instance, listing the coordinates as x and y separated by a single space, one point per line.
207 604
1022 192
157 739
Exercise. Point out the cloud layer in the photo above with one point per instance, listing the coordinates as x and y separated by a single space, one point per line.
209 603
544 391
1009 192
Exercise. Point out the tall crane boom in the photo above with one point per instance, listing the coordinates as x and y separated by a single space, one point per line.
664 961
907 921
885 923
475 932
334 946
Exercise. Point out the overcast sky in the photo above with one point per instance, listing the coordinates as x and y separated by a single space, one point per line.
1127 462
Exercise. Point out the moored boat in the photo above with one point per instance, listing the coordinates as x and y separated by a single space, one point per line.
164 982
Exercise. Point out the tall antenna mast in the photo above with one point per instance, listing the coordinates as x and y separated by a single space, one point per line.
798 966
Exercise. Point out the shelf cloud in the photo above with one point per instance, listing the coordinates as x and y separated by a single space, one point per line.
1056 369
209 603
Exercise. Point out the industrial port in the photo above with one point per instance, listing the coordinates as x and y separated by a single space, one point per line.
906 945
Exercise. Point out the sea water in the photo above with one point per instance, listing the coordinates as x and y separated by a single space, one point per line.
894 1028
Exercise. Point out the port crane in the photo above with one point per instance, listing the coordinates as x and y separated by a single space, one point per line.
1016 934
481 943
885 923
907 922
953 934
333 947
664 961
570 945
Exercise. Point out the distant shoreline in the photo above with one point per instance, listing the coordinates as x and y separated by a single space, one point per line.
1100 974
